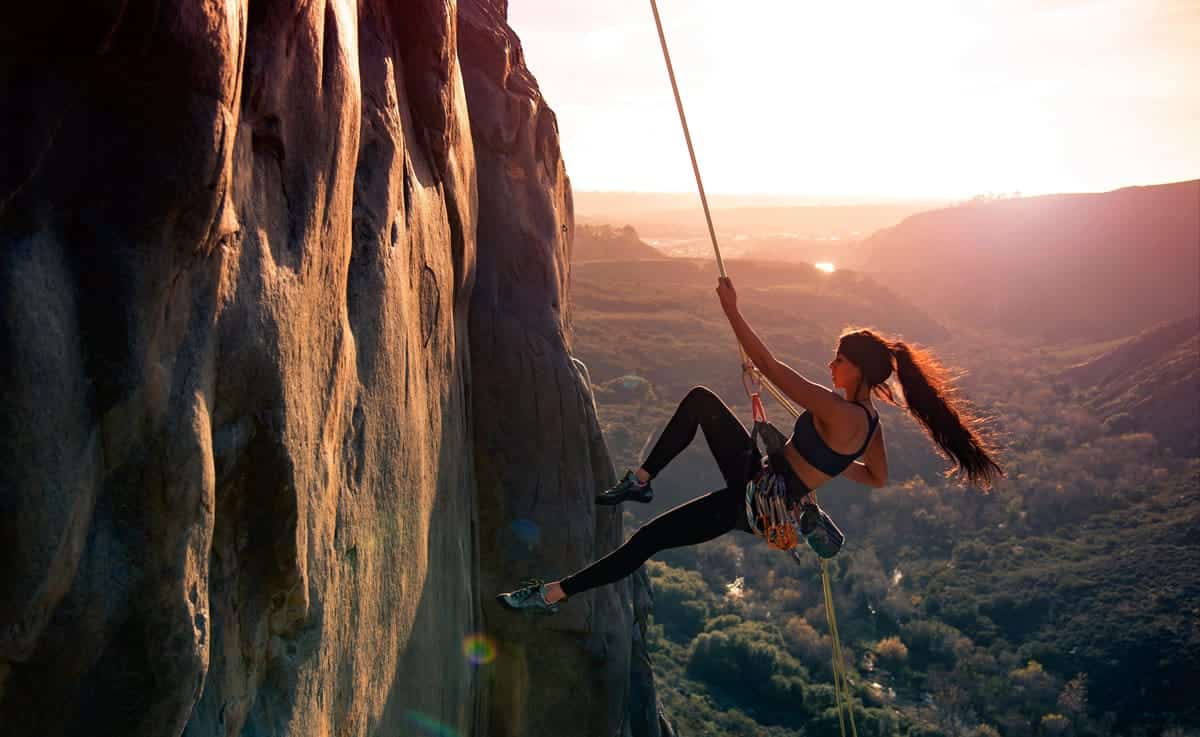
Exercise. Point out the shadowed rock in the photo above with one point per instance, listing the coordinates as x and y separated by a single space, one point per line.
241 431
238 252
540 457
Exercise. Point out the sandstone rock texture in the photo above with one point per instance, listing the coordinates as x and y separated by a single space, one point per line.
282 360
540 455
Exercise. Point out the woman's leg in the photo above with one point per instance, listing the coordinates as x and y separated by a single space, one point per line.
691 523
727 437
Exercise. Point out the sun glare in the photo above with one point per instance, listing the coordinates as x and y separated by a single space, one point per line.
825 266
934 98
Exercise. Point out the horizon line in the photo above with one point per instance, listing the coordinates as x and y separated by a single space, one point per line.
923 197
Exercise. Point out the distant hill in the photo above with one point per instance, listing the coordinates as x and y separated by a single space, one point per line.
1087 266
1149 383
750 227
591 203
606 243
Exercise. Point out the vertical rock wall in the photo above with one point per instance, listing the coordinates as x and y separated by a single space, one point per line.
250 460
236 488
540 458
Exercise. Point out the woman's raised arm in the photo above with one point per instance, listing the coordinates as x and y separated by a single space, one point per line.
814 397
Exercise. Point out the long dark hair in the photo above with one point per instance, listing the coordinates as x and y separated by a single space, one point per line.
929 396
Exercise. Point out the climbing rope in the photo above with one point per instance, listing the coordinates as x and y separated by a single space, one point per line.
775 521
662 39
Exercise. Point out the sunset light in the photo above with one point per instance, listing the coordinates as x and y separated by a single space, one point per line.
466 368
874 99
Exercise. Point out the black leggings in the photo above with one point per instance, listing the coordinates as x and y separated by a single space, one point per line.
699 520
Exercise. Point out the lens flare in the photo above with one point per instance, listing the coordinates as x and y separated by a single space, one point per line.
519 539
527 531
428 726
479 649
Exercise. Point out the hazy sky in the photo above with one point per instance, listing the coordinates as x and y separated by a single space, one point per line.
932 98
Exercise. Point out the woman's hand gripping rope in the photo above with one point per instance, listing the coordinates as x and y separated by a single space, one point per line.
727 294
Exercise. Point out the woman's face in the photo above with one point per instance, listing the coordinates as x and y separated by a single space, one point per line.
845 374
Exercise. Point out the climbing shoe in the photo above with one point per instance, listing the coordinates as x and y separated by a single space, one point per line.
531 597
627 488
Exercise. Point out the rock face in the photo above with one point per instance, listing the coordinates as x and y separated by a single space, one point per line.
540 456
240 398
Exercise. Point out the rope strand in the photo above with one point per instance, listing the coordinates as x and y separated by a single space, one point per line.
662 39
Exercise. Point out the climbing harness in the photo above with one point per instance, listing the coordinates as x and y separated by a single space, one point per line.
779 524
782 515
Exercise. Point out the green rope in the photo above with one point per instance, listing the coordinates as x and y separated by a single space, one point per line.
841 684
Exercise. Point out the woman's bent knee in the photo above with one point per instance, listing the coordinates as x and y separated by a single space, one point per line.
701 395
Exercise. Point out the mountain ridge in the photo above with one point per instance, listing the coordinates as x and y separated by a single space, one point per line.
1087 258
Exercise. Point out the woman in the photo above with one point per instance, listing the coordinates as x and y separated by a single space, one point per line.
828 438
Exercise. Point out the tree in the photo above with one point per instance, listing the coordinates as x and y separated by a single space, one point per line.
680 601
891 653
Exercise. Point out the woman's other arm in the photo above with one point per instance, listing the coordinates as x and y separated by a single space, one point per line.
859 473
873 470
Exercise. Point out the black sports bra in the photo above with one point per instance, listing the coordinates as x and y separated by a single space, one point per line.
808 442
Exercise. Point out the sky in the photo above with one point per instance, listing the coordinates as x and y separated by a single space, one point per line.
871 98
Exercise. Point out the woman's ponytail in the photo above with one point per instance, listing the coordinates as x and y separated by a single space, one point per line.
930 397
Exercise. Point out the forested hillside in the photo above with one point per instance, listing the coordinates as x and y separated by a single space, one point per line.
1063 603
1147 383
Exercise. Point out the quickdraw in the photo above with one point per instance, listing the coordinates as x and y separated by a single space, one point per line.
768 509
769 503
